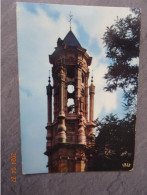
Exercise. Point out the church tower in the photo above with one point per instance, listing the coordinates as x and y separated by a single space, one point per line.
70 132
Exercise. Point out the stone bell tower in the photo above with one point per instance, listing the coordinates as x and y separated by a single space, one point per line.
70 133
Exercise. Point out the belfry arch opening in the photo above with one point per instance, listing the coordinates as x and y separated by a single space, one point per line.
70 88
71 105
70 72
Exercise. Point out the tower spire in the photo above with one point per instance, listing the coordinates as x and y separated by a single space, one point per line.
70 19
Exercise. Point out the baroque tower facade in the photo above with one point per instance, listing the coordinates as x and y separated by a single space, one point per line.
70 130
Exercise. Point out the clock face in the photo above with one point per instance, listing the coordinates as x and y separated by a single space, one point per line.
70 88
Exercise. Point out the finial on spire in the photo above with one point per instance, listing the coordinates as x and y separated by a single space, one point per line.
92 77
70 19
49 78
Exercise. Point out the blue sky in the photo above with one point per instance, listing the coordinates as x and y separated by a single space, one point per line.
38 28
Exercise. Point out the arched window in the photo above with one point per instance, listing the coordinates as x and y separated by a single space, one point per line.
70 88
71 105
70 72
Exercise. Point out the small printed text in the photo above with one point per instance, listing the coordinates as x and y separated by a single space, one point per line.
13 168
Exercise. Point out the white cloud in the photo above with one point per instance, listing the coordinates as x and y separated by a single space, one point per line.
104 101
94 19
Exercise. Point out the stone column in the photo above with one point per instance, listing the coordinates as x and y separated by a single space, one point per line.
49 137
61 118
61 137
78 88
56 97
49 102
81 130
86 96
49 95
91 93
62 86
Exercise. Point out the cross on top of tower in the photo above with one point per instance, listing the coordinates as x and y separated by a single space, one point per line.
70 19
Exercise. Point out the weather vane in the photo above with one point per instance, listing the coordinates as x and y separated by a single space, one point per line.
70 19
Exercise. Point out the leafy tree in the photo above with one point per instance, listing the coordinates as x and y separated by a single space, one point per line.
122 43
116 136
115 142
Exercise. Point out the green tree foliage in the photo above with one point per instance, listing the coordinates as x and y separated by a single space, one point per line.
116 138
115 143
122 43
114 135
